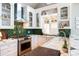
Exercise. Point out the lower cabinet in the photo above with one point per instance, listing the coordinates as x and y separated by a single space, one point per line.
74 52
38 40
8 48
41 40
74 44
34 41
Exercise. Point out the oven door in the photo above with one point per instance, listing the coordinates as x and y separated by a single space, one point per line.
25 46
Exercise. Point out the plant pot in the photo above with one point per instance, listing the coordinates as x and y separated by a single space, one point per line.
65 50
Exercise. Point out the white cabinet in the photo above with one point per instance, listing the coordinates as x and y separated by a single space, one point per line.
64 10
74 53
64 16
74 15
30 17
60 12
19 13
34 41
43 39
8 48
74 43
37 20
6 15
38 40
74 46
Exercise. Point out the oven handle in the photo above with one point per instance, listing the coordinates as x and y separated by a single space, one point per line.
24 41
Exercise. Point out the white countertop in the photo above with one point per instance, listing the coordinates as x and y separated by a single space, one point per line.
5 41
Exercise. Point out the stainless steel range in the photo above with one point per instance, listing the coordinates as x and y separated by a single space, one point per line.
24 45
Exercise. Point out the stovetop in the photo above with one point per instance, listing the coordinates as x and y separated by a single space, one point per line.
24 38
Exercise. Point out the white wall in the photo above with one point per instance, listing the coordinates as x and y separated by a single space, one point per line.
74 12
0 14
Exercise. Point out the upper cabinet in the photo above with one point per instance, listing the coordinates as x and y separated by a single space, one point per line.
49 11
64 13
64 16
30 19
6 16
19 12
37 20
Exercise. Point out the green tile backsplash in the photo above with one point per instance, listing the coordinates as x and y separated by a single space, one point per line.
24 32
67 32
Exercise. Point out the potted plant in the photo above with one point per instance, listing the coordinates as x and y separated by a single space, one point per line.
65 47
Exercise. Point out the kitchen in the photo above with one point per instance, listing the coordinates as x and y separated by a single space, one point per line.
26 26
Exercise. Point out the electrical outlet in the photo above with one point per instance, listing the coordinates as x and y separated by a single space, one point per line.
28 32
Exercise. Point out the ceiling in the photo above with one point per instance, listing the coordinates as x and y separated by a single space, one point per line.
37 5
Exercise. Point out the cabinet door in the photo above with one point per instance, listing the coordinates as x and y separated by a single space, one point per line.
20 12
34 41
6 15
64 11
30 17
41 40
9 48
64 16
37 20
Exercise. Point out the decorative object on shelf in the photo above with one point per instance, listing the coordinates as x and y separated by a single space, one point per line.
46 20
53 18
0 35
64 24
50 18
4 35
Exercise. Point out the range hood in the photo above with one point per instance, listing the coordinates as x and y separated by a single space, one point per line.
21 20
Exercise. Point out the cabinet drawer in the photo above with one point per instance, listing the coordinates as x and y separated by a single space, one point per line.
74 53
4 47
11 53
8 50
74 43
